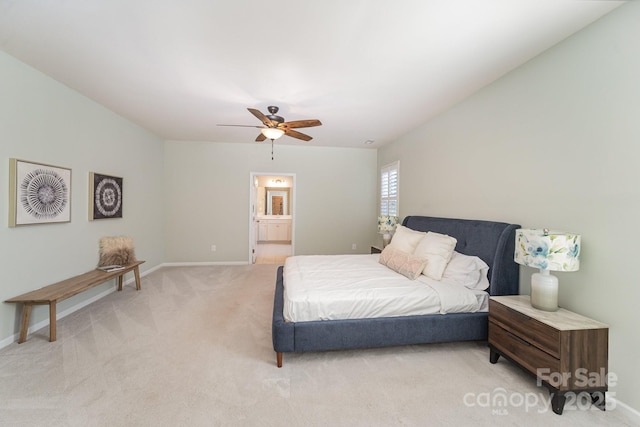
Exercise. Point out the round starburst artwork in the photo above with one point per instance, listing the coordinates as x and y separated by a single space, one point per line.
43 194
38 193
107 197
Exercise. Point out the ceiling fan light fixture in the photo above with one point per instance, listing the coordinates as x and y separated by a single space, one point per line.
272 133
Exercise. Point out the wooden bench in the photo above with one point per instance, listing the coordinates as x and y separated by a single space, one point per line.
60 291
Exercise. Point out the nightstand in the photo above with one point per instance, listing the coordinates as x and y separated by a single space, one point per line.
567 352
375 250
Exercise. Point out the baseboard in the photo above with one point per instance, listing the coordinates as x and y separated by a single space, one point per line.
632 414
201 264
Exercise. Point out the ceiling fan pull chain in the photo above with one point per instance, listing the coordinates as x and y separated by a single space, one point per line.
272 149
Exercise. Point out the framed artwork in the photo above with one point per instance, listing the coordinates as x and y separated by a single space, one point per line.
105 196
38 193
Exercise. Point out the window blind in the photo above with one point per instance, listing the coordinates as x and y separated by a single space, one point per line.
389 177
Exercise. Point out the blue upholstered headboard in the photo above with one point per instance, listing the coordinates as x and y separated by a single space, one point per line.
492 241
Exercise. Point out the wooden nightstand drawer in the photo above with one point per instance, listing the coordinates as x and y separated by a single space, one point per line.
543 336
567 351
521 351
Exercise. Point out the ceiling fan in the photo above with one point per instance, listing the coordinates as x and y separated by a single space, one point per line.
275 126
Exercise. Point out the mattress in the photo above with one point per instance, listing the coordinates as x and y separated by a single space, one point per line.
334 287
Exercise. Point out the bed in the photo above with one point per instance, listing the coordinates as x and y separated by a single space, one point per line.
492 242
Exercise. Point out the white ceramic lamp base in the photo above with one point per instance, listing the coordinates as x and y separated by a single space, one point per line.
386 239
544 291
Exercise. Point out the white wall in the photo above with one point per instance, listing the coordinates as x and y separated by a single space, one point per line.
554 144
198 198
43 121
208 186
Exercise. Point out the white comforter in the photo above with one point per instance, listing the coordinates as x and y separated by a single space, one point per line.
330 287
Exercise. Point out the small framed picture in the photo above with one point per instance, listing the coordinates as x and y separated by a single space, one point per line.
38 193
105 196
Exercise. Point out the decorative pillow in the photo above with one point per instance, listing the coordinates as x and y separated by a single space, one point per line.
406 239
116 250
437 249
466 270
401 262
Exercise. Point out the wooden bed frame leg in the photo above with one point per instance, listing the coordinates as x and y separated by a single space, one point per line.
279 359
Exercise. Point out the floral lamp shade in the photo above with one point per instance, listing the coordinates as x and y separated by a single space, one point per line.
547 251
386 225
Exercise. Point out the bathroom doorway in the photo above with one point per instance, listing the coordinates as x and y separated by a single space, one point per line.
272 217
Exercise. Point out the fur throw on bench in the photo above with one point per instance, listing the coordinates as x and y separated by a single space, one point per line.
116 250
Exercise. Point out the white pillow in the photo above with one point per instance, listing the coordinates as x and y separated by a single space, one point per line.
466 270
406 239
437 249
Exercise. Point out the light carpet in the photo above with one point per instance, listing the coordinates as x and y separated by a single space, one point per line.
193 348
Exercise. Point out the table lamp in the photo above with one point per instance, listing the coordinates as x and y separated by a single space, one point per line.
547 251
386 226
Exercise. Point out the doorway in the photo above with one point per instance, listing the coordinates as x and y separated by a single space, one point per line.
272 217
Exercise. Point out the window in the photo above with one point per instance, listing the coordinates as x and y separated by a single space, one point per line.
389 176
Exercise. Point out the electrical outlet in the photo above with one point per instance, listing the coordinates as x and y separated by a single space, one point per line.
213 248
353 246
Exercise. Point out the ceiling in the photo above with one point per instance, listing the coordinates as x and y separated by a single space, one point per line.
368 69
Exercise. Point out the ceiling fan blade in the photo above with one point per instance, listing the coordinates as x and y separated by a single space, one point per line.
301 124
296 134
244 126
264 119
260 137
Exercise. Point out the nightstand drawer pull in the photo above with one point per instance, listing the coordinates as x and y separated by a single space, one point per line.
517 338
